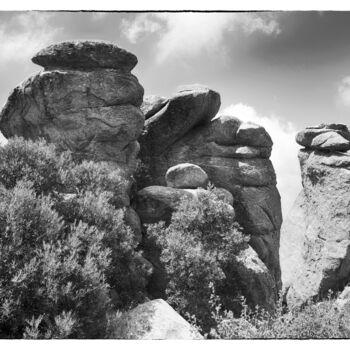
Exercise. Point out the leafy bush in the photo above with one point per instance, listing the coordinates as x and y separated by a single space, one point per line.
67 257
317 320
196 250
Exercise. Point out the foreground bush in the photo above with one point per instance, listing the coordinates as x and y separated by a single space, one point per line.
67 257
196 250
317 320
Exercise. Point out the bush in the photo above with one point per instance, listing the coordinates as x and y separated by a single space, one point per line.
67 257
317 320
196 249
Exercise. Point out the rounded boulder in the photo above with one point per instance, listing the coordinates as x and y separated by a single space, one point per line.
186 175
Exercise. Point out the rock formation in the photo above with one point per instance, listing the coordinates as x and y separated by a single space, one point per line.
234 154
325 208
157 203
154 320
85 100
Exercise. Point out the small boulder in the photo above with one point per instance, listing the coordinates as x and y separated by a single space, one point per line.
250 134
186 175
85 55
154 320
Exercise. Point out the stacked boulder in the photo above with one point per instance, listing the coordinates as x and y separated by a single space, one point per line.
234 154
157 203
322 212
85 100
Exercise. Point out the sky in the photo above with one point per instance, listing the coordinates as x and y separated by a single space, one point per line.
283 70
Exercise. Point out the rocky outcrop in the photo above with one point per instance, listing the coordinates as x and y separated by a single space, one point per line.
234 154
154 320
325 168
251 277
86 100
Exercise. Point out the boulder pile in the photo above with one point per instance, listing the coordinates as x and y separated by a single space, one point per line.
186 129
85 100
157 203
322 212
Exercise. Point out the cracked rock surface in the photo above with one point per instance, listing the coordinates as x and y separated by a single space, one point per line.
85 100
322 213
234 154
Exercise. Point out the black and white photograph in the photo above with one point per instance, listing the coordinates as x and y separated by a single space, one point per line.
174 174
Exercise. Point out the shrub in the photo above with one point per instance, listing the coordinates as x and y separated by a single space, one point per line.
67 257
317 320
196 249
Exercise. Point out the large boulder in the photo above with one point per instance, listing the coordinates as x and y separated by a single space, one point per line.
326 243
154 320
85 101
234 155
85 55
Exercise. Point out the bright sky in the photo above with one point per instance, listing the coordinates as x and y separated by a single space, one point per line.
284 70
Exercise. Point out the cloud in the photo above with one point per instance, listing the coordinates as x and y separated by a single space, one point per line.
284 152
189 34
23 35
344 92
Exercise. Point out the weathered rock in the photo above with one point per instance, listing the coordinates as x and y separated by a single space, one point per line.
186 175
235 157
93 113
154 320
292 240
326 246
85 55
255 281
251 134
182 112
331 137
152 104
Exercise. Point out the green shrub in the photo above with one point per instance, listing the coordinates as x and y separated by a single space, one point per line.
67 258
196 249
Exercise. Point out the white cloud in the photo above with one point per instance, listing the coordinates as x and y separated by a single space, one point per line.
143 23
284 151
188 34
344 91
23 35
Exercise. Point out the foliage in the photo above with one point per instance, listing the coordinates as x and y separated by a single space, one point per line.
196 249
67 259
316 320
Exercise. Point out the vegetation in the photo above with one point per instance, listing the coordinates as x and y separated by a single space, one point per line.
69 264
196 250
67 259
316 320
